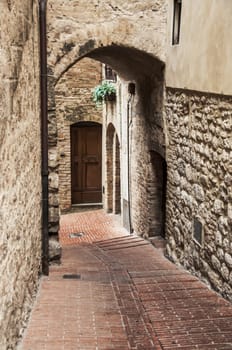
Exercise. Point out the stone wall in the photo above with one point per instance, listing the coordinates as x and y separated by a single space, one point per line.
147 135
199 185
195 131
142 114
112 184
20 182
75 29
74 103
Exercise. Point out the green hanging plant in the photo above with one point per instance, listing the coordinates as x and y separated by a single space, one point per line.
104 92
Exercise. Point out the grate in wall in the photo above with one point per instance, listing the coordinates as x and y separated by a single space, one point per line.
76 234
71 277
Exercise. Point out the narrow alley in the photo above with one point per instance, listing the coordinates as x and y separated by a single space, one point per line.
115 291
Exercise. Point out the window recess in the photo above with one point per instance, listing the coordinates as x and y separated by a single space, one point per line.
176 22
110 74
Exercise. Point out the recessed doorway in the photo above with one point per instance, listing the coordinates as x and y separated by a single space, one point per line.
86 163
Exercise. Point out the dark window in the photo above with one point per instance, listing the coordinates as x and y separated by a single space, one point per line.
176 22
110 74
197 231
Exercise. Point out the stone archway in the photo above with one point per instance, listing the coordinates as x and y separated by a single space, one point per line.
76 29
147 126
140 61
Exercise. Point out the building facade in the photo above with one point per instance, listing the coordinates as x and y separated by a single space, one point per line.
166 140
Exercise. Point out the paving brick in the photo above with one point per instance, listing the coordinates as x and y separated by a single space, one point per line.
128 296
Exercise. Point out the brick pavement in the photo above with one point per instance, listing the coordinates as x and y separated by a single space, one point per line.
123 294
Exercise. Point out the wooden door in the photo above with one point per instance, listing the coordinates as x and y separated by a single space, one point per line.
86 154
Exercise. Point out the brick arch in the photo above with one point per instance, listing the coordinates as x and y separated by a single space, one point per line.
74 104
113 183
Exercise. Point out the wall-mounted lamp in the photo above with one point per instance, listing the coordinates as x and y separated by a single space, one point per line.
131 88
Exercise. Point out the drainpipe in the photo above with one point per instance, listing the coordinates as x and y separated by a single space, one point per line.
44 133
131 90
128 164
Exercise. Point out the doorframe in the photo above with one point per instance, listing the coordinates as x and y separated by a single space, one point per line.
84 123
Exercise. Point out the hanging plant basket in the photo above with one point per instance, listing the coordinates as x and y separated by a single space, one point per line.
104 92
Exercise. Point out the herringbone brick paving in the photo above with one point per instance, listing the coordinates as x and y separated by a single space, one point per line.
128 296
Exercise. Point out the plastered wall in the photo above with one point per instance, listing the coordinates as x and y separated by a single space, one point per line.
201 61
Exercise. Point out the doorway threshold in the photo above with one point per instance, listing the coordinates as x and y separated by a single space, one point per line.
158 242
87 205
76 208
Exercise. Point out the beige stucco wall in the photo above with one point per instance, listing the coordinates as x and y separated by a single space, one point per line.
202 60
20 182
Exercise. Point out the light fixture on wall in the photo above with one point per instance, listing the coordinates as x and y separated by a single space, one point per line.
131 88
131 91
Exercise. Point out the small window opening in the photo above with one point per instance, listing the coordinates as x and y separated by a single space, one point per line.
110 74
198 231
9 4
176 22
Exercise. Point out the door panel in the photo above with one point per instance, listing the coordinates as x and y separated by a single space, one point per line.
86 163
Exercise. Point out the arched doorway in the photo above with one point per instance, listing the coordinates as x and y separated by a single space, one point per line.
74 106
157 194
113 183
86 163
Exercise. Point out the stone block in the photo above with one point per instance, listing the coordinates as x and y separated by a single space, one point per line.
54 249
228 260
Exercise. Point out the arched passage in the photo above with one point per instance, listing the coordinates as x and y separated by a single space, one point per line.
113 181
146 126
74 104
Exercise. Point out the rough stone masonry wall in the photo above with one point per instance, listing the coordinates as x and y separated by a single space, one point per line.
74 103
200 184
20 182
140 169
146 134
